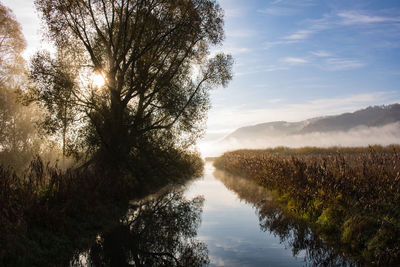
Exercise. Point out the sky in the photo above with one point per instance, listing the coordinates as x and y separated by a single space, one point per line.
294 59
297 59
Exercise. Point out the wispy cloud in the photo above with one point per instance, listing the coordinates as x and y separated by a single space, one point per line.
272 68
331 62
294 60
283 64
261 69
321 53
336 20
299 35
268 45
355 17
343 64
278 11
314 27
300 3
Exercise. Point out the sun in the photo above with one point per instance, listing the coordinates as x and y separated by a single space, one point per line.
98 79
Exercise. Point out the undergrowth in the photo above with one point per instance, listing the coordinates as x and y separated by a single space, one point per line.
48 216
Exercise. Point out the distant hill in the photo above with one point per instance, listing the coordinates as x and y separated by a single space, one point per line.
371 117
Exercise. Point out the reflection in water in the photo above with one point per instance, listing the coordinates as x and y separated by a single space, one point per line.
293 232
155 232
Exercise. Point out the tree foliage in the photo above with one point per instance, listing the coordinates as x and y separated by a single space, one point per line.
12 44
154 56
54 82
16 125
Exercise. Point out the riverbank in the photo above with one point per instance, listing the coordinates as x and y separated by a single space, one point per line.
49 216
350 196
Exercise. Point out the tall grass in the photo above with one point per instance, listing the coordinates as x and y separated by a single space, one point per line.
350 195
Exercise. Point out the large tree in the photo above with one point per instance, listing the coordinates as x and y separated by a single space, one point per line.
155 58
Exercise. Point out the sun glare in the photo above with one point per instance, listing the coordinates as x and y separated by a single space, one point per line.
98 80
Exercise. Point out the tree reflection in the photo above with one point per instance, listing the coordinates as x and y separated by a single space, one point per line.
155 232
293 232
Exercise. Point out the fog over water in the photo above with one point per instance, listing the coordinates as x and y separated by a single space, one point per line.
358 136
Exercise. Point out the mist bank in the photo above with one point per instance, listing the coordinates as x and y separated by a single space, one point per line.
357 136
374 125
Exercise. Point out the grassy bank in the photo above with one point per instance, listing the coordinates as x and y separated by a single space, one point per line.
48 216
349 195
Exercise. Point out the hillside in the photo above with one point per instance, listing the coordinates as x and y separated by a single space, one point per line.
369 118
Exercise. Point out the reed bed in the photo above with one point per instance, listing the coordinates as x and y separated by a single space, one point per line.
349 195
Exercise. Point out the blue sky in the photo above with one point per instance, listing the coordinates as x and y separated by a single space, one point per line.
300 59
294 59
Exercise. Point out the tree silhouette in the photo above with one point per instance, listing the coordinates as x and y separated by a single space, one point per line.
156 232
154 56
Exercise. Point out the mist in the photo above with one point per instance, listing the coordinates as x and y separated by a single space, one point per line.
358 136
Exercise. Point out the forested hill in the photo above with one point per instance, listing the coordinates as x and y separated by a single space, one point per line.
375 116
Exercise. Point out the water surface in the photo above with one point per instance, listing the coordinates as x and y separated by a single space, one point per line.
220 220
230 227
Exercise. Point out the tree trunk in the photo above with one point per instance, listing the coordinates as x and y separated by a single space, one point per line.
117 130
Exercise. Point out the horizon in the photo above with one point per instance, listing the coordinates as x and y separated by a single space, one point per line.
354 131
294 60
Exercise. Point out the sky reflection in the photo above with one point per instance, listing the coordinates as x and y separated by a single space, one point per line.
231 229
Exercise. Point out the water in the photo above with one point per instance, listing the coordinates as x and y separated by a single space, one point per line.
231 229
219 220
